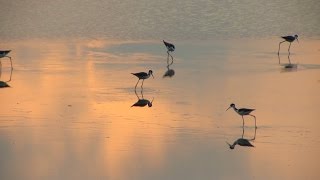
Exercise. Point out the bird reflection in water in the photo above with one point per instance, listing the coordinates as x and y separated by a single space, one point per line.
243 141
4 84
170 72
289 67
141 101
170 48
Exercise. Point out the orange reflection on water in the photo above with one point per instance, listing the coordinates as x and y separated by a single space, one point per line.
69 115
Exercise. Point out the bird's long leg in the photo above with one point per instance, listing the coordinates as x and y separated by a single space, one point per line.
279 58
10 61
279 46
136 84
135 91
168 58
10 76
142 83
289 58
254 137
289 48
171 59
255 122
142 92
242 132
242 122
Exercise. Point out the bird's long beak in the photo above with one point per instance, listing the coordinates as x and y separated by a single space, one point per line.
229 144
152 75
228 108
297 40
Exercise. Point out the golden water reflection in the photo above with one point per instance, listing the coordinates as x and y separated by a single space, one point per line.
68 113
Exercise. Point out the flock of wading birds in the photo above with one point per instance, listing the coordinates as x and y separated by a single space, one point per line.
170 48
242 111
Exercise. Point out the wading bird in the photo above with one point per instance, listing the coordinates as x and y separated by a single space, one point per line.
143 76
170 48
243 112
4 54
289 39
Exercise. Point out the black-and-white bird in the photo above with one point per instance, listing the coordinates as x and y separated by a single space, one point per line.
289 39
4 54
143 76
243 112
170 47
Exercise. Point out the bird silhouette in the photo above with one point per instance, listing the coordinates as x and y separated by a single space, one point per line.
289 39
243 112
143 76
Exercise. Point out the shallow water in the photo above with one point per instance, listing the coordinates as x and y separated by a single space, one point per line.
68 112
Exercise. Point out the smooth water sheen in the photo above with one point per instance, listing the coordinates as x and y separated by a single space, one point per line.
68 114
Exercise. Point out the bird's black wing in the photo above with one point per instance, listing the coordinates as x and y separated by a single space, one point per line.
5 52
246 110
167 44
139 74
288 38
141 103
244 142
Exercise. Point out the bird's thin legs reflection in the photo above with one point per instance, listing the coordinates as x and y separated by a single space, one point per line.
288 59
169 72
169 55
4 84
289 67
243 141
141 101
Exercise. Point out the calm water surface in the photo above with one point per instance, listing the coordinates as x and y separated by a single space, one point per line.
68 114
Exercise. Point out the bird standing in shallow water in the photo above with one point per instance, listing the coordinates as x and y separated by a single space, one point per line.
143 76
4 54
243 112
289 39
170 48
